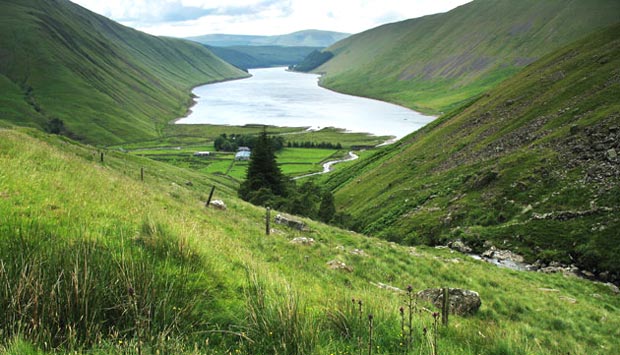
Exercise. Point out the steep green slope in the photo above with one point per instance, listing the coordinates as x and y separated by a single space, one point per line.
531 165
306 38
248 57
106 82
436 62
96 261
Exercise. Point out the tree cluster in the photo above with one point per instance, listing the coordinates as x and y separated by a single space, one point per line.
265 185
232 142
308 144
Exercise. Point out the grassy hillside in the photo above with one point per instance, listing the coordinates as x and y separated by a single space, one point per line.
107 83
93 260
530 166
306 38
248 57
437 62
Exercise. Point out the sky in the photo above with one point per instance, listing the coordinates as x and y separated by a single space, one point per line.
186 18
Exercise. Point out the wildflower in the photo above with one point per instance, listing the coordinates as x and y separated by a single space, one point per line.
401 310
409 288
131 291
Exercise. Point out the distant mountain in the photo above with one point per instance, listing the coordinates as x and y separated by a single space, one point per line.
532 166
248 57
307 38
436 62
66 69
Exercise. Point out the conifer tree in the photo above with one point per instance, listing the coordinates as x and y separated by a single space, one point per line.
263 171
327 209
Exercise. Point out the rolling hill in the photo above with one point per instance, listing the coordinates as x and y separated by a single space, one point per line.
246 52
306 38
95 260
437 62
531 165
66 69
248 57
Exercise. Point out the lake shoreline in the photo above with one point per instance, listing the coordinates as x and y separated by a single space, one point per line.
193 96
281 98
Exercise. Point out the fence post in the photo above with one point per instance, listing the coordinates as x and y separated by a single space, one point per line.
102 157
210 195
267 220
141 174
446 306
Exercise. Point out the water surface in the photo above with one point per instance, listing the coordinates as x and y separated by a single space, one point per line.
274 96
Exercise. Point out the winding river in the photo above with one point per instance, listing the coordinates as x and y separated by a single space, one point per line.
275 96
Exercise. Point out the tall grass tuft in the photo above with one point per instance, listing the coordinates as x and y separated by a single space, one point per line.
276 322
60 292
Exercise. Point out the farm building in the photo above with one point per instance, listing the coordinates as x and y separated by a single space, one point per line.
202 154
243 155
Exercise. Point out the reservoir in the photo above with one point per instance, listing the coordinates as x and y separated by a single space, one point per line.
274 96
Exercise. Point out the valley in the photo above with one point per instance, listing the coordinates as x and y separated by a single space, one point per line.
126 230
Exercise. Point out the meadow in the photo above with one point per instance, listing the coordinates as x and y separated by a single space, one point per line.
182 141
94 260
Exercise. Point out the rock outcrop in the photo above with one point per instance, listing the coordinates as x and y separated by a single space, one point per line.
303 241
290 222
462 302
499 254
459 246
339 265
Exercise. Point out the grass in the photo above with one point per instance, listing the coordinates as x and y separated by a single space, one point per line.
107 83
435 63
298 161
93 260
293 161
473 172
181 141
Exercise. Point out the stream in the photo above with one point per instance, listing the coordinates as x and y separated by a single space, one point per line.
327 167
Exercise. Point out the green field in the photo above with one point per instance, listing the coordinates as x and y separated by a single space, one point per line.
181 141
292 161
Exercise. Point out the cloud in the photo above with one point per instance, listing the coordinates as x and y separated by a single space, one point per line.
184 18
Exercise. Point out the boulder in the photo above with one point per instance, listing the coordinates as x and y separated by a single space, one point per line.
612 154
303 241
500 254
459 246
387 287
290 222
358 252
339 265
613 288
462 302
219 204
